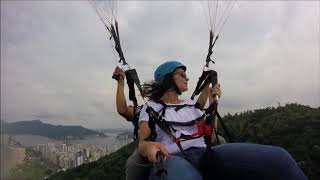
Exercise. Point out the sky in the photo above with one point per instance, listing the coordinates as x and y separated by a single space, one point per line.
57 60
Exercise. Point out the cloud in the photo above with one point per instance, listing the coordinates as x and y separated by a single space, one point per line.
57 63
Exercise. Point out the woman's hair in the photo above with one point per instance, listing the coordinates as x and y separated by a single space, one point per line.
154 91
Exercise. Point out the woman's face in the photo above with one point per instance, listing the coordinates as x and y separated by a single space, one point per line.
180 79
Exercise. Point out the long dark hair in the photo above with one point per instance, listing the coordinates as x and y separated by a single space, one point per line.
154 91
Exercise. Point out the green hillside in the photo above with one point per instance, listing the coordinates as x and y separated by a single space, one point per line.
294 127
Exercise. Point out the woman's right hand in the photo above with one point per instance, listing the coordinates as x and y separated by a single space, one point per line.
119 72
214 92
151 149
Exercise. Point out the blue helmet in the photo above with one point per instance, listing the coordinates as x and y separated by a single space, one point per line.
167 68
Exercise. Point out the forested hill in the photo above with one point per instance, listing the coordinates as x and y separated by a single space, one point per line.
294 127
36 127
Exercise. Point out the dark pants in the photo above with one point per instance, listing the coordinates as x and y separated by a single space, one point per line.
137 167
238 161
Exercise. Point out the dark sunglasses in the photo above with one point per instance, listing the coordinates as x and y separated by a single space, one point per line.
182 74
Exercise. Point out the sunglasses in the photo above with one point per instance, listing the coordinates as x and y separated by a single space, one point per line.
182 74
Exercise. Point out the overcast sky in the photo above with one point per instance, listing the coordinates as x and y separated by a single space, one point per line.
57 62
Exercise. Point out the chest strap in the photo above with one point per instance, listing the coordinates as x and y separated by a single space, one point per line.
203 129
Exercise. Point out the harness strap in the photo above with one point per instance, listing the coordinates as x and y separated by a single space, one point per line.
135 121
184 137
155 118
205 129
132 78
158 119
189 123
177 107
229 136
206 77
212 111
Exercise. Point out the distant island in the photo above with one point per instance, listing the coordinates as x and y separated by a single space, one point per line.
114 130
58 132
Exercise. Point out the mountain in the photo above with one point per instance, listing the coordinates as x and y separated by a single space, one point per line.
36 127
294 127
117 130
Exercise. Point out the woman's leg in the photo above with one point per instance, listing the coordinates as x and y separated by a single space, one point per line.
137 167
178 169
254 161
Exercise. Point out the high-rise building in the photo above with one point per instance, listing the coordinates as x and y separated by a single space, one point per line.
79 158
64 147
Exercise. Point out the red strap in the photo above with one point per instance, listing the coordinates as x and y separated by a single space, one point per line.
200 129
203 130
208 130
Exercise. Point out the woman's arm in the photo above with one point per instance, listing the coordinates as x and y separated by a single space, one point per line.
149 148
209 91
122 108
202 99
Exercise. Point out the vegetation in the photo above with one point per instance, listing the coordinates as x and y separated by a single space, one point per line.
36 127
294 127
30 169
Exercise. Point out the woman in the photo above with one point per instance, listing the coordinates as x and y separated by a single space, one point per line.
137 167
236 161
